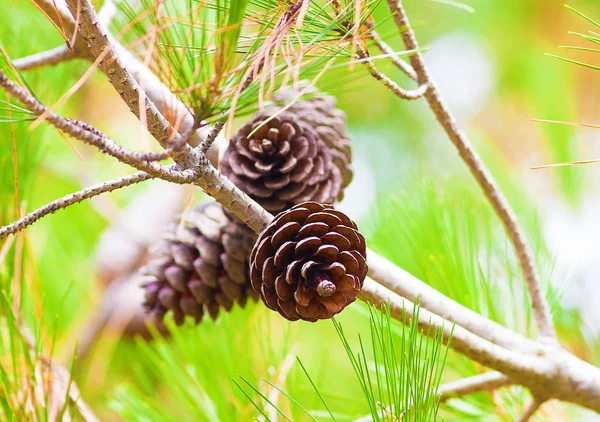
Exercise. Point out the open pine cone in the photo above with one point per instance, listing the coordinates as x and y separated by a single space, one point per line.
320 112
309 263
200 266
280 161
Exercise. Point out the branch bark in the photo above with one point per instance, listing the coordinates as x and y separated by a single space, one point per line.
483 382
164 100
408 286
530 410
480 173
72 198
46 58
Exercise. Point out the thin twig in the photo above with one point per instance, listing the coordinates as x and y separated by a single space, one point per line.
45 58
388 83
73 198
480 173
211 137
92 136
397 61
463 387
530 410
483 382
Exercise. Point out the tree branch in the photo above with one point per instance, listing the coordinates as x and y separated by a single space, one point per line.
475 384
92 136
463 341
398 62
530 410
411 288
72 198
164 100
45 58
388 83
480 173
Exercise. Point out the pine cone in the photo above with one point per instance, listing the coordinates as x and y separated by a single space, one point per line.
200 266
319 111
280 161
309 263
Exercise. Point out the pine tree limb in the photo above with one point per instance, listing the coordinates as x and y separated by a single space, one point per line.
398 62
475 384
45 58
73 198
164 100
388 83
480 172
408 286
530 410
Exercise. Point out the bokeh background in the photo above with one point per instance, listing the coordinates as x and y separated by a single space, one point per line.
411 195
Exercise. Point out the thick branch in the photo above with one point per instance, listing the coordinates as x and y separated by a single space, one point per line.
209 179
480 173
483 382
164 100
463 341
411 288
45 58
118 76
72 198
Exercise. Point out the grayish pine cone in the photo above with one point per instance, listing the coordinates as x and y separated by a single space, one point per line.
320 112
280 161
201 266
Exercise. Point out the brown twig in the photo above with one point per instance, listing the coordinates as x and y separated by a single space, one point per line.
386 49
530 410
388 83
92 136
480 173
70 199
211 137
483 382
46 58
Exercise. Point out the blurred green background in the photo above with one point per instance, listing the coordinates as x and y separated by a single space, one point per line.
412 197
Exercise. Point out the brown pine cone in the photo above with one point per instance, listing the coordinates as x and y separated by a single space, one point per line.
200 266
280 161
309 263
319 111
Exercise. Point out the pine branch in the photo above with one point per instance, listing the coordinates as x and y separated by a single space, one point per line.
551 372
388 83
208 178
530 410
164 100
123 82
408 286
46 58
386 49
91 136
211 137
483 382
480 173
72 198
